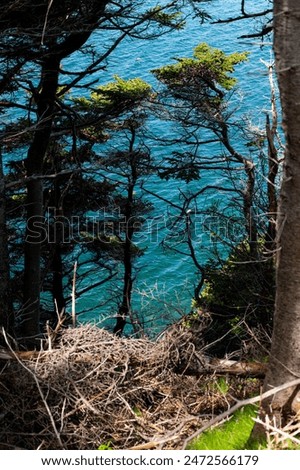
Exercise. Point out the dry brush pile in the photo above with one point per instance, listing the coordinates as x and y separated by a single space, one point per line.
94 389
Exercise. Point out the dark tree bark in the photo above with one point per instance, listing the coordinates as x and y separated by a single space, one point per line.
273 166
60 235
35 231
125 307
58 288
6 307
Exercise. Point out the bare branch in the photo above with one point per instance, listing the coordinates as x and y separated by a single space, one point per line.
243 16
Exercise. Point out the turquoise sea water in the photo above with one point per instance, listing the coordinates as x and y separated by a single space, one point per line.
165 280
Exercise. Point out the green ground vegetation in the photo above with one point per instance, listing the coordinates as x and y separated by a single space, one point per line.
234 434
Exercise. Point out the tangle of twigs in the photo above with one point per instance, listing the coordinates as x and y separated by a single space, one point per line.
92 388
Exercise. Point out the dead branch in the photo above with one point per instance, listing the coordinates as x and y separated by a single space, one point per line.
277 431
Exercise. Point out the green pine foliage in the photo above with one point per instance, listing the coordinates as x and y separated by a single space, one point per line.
221 64
207 62
174 20
124 93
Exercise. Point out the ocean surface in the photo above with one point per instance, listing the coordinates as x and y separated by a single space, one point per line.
165 280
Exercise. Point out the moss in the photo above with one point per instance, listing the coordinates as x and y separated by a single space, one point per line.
220 385
234 434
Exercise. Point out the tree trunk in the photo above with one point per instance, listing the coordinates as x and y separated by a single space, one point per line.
58 287
273 167
125 307
272 195
248 192
249 215
125 311
55 245
284 362
35 231
6 308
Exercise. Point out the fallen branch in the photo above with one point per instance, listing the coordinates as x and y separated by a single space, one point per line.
247 369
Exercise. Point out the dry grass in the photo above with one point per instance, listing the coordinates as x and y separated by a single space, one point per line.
94 388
